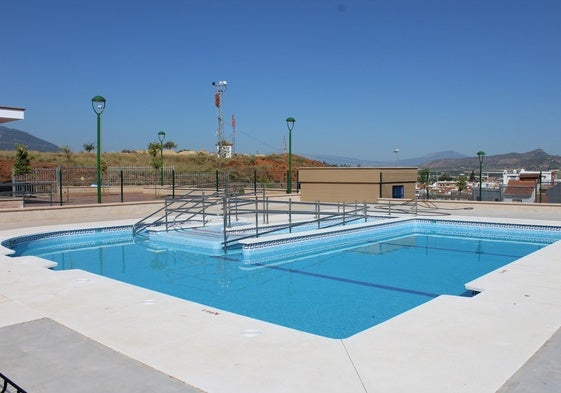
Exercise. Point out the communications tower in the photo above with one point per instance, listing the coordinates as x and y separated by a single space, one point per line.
233 134
222 146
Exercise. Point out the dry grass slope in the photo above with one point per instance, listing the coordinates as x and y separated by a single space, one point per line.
271 168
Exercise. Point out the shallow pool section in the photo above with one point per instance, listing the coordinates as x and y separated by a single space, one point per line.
348 284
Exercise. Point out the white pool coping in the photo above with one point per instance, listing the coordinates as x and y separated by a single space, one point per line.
450 344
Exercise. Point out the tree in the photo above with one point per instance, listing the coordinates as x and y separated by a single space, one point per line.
170 145
444 177
89 147
23 161
461 184
154 149
104 166
423 176
67 152
472 176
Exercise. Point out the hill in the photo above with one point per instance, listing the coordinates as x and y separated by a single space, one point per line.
268 169
532 161
10 137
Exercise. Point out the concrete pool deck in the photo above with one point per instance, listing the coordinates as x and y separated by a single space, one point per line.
488 343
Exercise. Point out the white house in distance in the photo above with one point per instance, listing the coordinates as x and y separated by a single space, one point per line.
547 177
526 186
8 113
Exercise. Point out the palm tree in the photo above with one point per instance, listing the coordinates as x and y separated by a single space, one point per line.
461 184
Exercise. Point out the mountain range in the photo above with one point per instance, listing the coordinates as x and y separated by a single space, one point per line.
417 161
455 163
534 160
449 161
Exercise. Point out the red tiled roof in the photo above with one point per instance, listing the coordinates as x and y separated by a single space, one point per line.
520 188
528 176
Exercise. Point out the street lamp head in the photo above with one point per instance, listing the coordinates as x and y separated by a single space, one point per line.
290 123
480 155
161 136
98 104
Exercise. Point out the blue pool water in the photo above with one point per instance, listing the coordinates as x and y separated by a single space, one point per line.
335 292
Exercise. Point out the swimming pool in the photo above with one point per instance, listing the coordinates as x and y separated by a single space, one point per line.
322 282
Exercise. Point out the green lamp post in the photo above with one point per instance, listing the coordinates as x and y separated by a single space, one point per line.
98 105
161 137
540 185
290 124
480 155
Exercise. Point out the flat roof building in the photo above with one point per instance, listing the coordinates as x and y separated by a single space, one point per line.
8 113
334 184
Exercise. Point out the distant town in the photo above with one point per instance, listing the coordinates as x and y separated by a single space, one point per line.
517 186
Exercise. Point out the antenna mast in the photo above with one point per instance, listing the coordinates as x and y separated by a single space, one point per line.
220 88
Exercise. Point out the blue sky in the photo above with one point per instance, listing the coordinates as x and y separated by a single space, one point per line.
361 77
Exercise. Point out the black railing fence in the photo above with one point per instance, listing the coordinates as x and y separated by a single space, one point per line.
119 184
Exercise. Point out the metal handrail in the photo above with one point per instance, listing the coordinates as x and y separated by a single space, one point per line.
189 207
347 217
164 211
283 227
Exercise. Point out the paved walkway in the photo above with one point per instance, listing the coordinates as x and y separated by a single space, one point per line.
541 374
44 356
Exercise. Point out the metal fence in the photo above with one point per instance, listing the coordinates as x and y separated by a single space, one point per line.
115 176
83 176
501 193
69 184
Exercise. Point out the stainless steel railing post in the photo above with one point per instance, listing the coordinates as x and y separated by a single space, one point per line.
289 215
256 217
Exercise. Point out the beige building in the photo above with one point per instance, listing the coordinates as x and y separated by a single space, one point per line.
356 184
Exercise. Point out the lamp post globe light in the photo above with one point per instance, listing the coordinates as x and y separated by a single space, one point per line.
161 137
480 155
98 105
290 124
